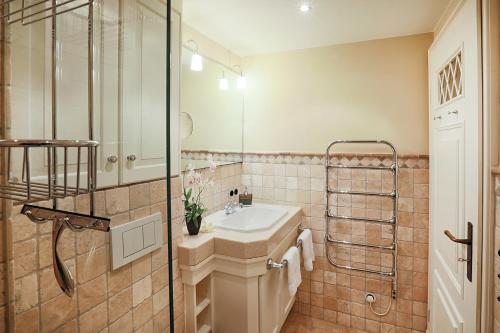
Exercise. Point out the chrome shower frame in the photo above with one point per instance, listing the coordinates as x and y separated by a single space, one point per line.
27 190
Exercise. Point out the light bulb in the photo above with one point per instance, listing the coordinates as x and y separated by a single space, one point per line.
196 63
241 83
305 7
223 84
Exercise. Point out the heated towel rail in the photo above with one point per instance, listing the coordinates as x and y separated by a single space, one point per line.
333 215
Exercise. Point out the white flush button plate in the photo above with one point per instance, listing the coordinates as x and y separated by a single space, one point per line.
132 240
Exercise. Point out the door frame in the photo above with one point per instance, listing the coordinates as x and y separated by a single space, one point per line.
485 232
491 127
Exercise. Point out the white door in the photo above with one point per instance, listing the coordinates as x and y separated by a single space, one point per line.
455 146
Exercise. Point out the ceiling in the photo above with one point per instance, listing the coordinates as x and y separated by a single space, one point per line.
249 27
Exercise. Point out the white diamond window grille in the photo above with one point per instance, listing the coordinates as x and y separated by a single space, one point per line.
450 79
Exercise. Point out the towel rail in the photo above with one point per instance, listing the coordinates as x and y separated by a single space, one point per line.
330 241
376 194
390 221
271 264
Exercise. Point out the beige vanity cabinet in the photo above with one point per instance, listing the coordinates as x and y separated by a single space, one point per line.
275 301
227 286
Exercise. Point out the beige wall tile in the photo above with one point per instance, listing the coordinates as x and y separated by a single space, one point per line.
120 304
122 325
142 313
57 312
92 293
119 279
141 268
141 290
28 322
94 320
22 228
117 201
26 292
140 195
91 264
160 300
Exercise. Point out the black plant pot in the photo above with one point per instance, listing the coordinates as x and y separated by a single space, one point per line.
194 226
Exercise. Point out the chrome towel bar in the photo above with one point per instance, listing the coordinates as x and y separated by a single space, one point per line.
271 264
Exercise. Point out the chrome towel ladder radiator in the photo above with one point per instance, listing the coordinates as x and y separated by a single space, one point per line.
392 221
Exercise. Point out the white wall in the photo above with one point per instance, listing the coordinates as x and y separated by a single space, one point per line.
208 47
300 101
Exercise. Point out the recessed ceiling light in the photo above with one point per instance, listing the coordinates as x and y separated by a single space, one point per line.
305 7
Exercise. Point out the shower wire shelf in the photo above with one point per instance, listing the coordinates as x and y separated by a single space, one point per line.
27 189
28 12
56 182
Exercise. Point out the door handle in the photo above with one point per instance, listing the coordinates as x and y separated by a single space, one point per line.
131 157
465 241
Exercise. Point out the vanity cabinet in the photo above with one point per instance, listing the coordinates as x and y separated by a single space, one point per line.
243 295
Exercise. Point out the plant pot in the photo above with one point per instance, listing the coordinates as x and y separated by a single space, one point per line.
193 226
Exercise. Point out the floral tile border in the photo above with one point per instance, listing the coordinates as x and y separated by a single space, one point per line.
217 156
404 161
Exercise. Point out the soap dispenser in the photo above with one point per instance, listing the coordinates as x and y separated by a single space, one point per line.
246 198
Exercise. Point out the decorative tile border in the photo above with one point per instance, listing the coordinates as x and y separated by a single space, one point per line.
217 156
404 161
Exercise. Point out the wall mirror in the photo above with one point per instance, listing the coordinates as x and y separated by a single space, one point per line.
211 112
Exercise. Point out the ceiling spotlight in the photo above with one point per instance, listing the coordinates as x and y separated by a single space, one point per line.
305 7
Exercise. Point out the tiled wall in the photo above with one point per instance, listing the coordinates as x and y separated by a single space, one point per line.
132 298
338 295
226 178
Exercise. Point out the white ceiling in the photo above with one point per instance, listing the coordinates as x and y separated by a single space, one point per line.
249 27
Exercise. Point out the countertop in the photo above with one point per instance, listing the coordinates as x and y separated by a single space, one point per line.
240 245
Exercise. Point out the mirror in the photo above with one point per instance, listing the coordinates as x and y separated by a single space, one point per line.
211 113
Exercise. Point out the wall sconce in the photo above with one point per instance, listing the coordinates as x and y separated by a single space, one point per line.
223 82
196 59
241 82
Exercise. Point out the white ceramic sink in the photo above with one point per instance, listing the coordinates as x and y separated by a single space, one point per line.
248 219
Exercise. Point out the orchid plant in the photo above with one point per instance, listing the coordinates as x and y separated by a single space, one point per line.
195 184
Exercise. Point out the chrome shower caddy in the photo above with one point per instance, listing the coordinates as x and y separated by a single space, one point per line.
64 177
393 195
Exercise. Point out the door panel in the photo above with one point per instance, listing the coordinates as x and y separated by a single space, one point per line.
455 174
447 315
449 160
144 61
144 87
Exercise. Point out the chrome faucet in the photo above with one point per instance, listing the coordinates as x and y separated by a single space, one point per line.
231 206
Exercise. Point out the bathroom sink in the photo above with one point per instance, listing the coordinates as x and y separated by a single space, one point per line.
248 219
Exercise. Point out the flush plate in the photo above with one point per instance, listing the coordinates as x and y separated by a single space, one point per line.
132 240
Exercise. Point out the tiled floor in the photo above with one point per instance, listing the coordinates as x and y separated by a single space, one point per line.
297 323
